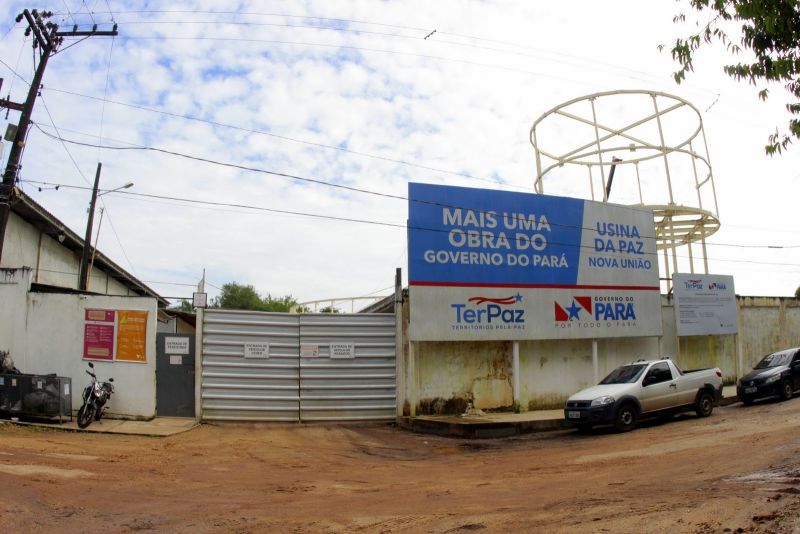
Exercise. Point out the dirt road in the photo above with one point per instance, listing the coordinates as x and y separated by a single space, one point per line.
737 471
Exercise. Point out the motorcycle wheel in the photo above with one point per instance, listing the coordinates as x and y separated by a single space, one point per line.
85 415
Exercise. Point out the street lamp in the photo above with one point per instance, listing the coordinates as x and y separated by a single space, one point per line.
99 225
84 270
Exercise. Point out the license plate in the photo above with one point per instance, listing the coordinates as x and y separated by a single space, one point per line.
750 390
574 415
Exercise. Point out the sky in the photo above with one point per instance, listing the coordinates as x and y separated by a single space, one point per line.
268 142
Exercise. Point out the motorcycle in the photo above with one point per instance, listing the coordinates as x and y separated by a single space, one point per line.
95 396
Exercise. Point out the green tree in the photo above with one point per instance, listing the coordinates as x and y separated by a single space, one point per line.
797 293
278 304
770 29
236 296
330 309
182 306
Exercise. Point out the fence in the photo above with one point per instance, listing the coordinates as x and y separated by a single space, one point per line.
258 366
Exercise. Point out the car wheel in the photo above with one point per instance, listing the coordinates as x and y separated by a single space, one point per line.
705 404
786 390
626 418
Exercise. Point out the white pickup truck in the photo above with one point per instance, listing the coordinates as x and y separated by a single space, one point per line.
643 389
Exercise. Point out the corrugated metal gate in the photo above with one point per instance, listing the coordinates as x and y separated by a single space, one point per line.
260 366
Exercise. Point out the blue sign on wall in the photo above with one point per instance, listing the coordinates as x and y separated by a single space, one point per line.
487 264
464 235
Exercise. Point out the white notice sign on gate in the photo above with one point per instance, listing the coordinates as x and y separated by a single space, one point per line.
256 350
309 350
343 351
176 345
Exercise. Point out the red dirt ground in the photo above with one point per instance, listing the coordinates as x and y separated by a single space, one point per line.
737 471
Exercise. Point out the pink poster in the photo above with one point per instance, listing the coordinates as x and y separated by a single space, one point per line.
98 335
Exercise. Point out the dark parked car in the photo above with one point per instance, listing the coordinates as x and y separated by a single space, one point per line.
776 375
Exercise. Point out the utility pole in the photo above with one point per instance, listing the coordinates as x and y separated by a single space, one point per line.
47 39
84 272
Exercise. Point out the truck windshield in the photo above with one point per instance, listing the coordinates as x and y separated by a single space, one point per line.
627 374
775 359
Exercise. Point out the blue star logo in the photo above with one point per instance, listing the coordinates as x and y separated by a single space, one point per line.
573 311
518 297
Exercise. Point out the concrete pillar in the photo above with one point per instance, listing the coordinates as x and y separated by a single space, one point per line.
412 379
515 373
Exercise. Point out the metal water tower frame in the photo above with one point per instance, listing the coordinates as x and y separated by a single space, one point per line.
642 142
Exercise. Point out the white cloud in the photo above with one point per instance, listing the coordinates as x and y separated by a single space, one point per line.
462 101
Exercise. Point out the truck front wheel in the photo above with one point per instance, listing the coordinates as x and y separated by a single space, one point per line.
626 418
705 404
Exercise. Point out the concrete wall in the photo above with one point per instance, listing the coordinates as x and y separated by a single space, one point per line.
451 374
14 285
52 264
44 332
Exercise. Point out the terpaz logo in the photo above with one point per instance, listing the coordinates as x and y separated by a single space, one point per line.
490 311
694 284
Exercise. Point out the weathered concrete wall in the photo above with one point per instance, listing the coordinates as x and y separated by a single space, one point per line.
14 285
52 264
454 374
54 331
768 324
451 374
44 334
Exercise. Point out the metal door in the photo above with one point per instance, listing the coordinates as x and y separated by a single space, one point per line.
260 366
250 366
347 367
175 375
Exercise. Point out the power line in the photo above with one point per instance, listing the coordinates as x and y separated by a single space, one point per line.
119 242
102 200
346 187
493 66
68 12
254 13
383 223
582 63
349 188
286 138
424 31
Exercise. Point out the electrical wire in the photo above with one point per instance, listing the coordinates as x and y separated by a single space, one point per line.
107 212
346 187
405 226
68 12
581 63
88 11
14 72
331 20
542 74
254 13
291 139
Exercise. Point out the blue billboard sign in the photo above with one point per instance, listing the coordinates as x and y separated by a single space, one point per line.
487 264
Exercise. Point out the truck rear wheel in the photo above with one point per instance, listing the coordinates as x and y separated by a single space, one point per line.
626 418
705 404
